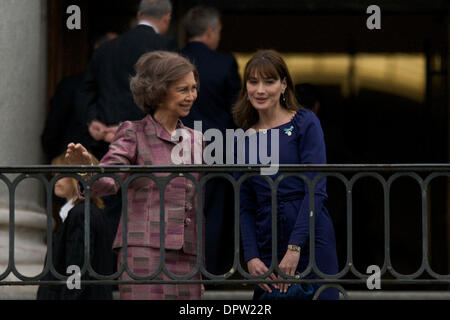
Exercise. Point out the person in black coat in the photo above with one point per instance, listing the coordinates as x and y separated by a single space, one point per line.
68 245
220 84
63 124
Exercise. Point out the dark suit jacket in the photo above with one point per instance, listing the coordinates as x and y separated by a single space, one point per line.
68 249
219 87
62 125
105 93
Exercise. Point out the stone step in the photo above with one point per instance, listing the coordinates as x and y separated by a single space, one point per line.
29 293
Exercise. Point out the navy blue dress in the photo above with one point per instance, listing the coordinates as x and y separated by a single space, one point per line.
300 142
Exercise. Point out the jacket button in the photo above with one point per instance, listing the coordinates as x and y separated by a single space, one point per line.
188 206
187 221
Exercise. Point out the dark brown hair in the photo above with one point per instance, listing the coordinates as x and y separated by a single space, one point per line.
155 72
268 64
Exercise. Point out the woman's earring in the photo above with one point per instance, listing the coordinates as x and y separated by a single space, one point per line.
283 97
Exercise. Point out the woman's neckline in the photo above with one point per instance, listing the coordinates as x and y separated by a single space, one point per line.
178 125
283 124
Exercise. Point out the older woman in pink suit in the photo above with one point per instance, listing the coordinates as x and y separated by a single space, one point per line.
165 87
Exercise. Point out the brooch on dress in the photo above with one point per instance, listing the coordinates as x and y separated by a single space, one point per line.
289 130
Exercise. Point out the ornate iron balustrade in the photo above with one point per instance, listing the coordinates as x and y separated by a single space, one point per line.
432 171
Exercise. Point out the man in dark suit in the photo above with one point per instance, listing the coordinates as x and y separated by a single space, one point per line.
219 87
105 95
219 78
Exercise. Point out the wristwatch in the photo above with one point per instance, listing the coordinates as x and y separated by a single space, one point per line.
293 247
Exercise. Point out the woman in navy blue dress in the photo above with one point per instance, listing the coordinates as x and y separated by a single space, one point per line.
267 104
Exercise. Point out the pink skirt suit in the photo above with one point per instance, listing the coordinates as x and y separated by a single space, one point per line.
146 142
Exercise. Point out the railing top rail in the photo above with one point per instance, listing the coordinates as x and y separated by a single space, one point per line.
230 168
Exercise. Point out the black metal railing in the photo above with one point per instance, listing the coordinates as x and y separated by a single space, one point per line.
423 174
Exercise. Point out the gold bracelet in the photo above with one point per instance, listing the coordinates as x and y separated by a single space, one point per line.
85 173
293 247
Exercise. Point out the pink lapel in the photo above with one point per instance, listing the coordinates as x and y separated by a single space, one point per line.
155 128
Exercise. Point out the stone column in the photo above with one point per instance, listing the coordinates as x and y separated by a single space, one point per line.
23 65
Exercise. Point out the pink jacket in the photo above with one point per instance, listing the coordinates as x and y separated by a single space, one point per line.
146 142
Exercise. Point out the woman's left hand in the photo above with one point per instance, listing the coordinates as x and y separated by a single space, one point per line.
288 265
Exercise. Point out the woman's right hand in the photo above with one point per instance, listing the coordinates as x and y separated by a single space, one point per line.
256 268
76 154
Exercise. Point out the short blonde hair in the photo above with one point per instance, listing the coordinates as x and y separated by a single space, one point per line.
155 72
61 161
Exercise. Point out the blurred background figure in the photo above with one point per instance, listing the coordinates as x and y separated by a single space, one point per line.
63 124
219 86
308 96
